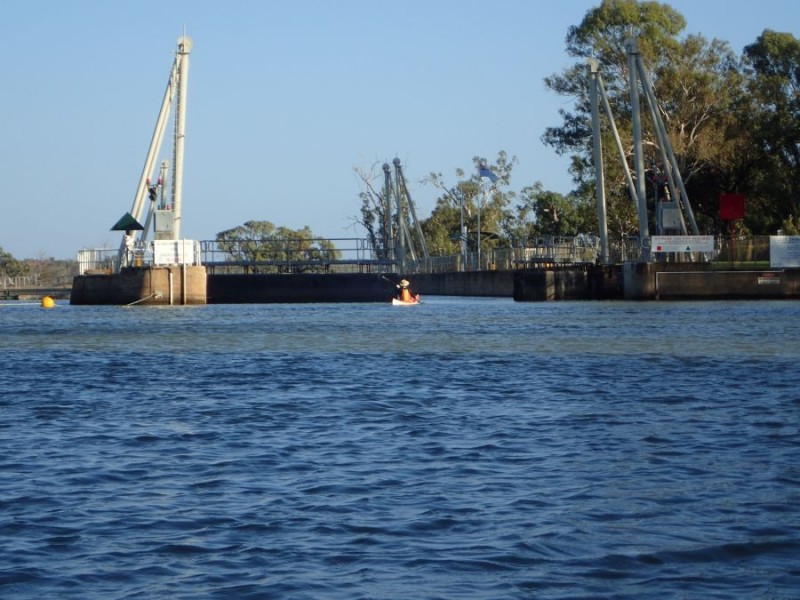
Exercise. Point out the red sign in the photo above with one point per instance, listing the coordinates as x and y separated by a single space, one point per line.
731 207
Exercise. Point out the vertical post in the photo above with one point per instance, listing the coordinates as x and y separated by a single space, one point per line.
638 160
483 171
184 48
400 240
479 228
412 213
463 237
388 245
599 177
170 277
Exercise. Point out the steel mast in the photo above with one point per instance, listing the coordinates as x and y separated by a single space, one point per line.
182 62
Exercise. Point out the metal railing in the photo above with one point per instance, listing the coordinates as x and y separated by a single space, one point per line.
742 250
34 286
330 255
546 251
96 261
349 255
555 252
20 281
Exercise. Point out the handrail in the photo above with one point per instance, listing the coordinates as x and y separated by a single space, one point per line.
350 254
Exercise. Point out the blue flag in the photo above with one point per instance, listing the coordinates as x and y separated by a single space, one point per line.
485 172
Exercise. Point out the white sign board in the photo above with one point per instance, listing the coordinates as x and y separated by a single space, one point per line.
173 252
784 251
682 243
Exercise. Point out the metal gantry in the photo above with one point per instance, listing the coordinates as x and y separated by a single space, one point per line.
636 184
404 232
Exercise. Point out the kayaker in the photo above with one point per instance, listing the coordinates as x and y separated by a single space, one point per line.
404 293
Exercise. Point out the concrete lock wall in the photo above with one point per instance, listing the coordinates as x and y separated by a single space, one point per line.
688 281
630 281
726 285
601 282
167 285
300 287
473 283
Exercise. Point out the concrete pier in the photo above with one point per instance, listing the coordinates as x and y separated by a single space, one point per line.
162 285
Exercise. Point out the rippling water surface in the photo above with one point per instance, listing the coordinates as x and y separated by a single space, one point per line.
461 449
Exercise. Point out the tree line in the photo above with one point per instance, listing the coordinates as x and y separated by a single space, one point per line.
263 247
34 272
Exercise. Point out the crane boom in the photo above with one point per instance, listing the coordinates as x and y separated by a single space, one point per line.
167 217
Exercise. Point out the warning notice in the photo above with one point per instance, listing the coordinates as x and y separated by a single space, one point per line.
682 243
784 251
173 252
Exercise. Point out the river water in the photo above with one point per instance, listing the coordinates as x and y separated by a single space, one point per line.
460 449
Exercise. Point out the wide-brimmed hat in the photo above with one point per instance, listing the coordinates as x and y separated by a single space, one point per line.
403 282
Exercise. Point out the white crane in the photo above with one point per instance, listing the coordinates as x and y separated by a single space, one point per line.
166 214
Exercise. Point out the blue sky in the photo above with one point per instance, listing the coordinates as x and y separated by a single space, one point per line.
285 99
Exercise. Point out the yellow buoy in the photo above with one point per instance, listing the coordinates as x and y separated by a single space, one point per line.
48 302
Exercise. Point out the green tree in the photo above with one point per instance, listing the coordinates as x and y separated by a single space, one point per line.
548 213
263 247
771 119
10 266
442 229
696 83
50 271
468 196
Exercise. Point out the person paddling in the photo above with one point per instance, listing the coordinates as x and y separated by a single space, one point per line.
404 291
